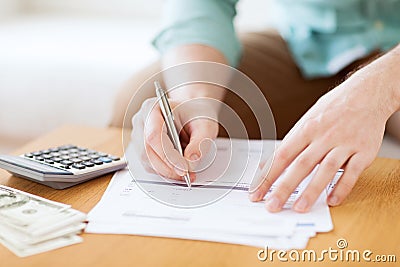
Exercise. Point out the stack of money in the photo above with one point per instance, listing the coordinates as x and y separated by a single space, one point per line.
30 224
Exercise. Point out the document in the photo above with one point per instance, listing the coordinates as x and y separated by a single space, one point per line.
216 208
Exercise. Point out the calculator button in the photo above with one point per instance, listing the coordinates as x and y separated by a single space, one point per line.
74 155
66 147
57 159
49 161
32 165
37 153
64 152
82 149
97 162
39 158
94 156
65 157
105 159
55 154
76 160
45 151
47 156
54 149
88 164
85 158
83 153
66 162
102 154
114 158
78 166
66 167
29 155
73 150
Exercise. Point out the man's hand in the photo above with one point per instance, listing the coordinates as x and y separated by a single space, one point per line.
344 129
196 121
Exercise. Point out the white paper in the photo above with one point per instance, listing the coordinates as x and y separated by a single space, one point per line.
127 207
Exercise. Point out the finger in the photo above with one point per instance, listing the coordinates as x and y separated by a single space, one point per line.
157 138
160 167
203 131
283 157
327 170
137 132
184 138
356 165
301 168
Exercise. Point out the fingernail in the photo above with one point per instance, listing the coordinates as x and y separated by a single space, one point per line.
301 205
333 200
273 204
194 157
255 196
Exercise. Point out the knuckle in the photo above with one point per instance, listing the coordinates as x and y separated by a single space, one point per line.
264 184
346 187
310 126
285 189
358 167
329 136
303 161
152 137
354 169
282 155
313 191
331 163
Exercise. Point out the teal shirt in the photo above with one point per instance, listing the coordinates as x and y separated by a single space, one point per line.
324 36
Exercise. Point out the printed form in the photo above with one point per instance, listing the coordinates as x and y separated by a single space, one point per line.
216 208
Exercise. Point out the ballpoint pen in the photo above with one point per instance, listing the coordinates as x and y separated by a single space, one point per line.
169 121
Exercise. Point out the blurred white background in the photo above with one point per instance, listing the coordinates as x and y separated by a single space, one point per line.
62 61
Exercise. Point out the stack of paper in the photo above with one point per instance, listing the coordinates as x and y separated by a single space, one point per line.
30 224
215 209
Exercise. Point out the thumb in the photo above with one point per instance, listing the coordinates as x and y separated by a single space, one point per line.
199 147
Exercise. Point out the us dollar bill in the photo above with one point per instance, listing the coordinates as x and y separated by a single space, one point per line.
31 224
19 239
50 223
28 250
22 209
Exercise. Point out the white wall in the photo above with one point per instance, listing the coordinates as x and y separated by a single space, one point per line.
127 8
62 61
9 8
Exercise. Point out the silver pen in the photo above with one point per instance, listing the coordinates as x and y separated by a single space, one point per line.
169 121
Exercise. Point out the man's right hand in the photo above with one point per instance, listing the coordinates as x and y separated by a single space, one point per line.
196 121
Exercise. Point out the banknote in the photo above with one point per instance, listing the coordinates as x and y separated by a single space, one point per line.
18 239
49 223
52 244
22 208
31 224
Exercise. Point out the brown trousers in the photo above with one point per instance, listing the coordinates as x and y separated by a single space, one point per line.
267 61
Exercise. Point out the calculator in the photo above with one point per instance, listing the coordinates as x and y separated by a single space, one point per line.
62 167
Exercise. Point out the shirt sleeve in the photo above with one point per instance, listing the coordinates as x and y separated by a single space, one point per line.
208 22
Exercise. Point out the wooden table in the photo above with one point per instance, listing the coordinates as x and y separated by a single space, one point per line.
369 219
